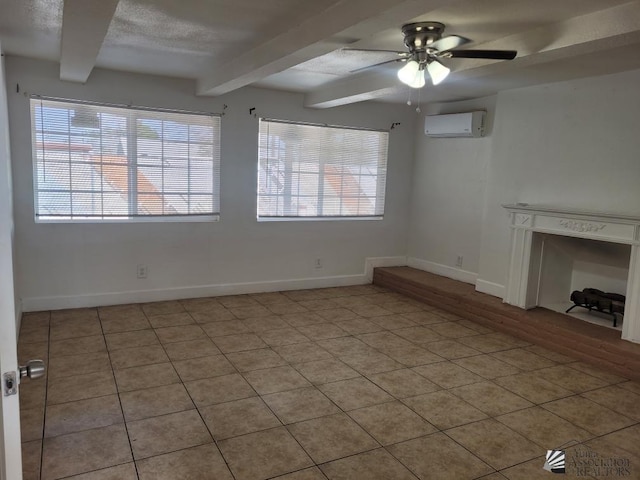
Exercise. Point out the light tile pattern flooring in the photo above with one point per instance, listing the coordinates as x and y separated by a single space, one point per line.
339 383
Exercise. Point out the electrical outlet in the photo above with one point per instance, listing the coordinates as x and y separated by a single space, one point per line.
318 263
142 270
459 261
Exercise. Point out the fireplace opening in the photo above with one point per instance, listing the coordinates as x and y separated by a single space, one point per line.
569 264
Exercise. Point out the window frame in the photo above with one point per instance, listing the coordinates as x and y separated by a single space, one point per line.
132 167
381 180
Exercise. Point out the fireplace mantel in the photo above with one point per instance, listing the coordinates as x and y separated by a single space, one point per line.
548 209
608 227
526 251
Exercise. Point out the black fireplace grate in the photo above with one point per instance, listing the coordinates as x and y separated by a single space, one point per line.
604 302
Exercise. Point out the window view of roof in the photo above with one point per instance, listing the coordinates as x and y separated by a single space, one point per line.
320 171
94 161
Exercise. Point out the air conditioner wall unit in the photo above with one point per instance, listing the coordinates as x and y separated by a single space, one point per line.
469 124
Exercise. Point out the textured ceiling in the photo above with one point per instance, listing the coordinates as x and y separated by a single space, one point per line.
297 45
198 31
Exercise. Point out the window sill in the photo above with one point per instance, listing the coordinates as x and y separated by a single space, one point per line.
315 219
126 220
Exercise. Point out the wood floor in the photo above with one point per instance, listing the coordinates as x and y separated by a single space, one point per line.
594 344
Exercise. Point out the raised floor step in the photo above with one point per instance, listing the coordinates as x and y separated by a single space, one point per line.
584 341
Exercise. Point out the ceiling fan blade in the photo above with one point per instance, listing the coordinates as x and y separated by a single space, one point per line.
378 64
404 54
449 43
490 54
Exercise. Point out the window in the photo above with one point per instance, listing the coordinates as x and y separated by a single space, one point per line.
98 162
320 171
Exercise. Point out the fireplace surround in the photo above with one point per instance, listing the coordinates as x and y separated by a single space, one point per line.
526 252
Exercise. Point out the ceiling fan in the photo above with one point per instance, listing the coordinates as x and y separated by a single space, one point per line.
426 46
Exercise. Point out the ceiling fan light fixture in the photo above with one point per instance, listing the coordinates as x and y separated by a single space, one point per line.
411 74
408 72
418 81
437 71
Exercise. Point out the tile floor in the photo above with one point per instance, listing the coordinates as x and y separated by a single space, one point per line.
339 383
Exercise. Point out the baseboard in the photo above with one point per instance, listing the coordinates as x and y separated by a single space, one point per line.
372 262
490 288
35 304
443 270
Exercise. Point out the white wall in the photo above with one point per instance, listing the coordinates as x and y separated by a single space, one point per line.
600 265
60 263
556 271
573 144
447 196
603 277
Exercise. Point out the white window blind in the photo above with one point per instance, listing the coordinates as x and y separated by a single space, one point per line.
99 162
320 171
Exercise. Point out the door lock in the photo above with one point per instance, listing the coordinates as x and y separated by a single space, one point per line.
9 384
33 369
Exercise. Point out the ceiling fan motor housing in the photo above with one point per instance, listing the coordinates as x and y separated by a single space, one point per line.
418 36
